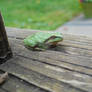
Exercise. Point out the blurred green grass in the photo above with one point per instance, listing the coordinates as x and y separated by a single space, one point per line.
38 14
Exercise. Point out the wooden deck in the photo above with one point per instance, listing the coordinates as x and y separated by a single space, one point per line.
66 68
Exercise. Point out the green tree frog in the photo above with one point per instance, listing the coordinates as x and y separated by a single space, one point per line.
43 40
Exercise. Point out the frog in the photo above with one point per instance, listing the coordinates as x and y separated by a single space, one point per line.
43 40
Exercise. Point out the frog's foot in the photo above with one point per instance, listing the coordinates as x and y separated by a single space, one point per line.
39 49
3 77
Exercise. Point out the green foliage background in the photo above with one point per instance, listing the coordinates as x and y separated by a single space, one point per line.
38 14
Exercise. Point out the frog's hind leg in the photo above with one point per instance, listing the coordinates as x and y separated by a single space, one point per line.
38 48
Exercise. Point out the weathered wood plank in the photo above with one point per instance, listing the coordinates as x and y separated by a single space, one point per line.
66 43
87 47
72 59
89 43
73 63
76 38
65 49
73 50
39 79
19 33
16 32
62 64
77 44
2 90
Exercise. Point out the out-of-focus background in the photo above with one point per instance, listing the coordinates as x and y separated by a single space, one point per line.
38 14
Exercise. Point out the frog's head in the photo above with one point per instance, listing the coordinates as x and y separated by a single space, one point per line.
53 40
50 42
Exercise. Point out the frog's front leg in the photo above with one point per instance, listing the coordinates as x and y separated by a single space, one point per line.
54 44
42 46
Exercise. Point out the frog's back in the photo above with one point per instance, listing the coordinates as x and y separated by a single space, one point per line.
42 36
30 41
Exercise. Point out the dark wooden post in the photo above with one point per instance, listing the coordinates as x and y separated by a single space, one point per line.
5 51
